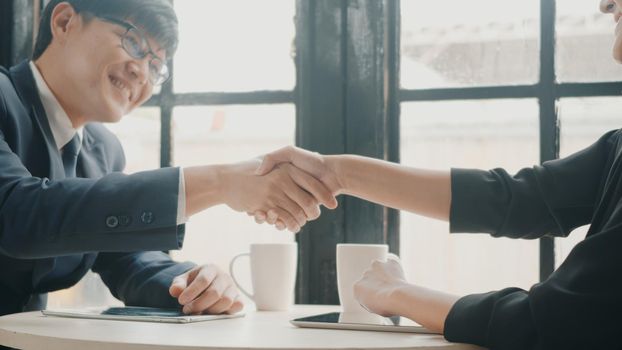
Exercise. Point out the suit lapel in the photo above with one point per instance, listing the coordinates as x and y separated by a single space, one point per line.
26 88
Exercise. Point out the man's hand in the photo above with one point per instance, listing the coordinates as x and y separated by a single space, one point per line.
312 163
288 192
206 290
376 290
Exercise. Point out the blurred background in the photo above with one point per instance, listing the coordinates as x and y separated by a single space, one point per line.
474 85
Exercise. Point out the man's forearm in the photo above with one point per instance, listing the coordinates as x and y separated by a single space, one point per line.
425 192
202 185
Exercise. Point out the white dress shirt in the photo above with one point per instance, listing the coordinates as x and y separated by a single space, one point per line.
63 131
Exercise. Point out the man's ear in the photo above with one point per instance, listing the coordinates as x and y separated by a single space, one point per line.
64 17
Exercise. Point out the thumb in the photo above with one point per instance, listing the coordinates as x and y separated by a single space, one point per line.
265 167
270 160
178 285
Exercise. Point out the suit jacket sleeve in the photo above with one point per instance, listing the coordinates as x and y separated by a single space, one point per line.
553 198
140 278
42 218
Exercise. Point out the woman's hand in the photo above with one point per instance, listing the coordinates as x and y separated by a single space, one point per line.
384 290
376 290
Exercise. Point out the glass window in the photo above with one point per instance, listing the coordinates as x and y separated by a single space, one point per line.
139 134
472 134
584 43
226 134
583 121
469 43
235 45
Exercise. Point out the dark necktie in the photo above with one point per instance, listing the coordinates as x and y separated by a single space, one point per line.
65 265
70 156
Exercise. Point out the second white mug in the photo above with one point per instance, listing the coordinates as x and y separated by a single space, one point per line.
273 275
352 261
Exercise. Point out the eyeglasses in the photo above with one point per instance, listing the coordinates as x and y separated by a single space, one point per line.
137 46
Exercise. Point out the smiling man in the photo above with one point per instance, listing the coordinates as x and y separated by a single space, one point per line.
65 206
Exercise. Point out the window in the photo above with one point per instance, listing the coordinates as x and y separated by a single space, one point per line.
467 134
480 83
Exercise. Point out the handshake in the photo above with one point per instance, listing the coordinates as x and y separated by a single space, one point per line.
285 188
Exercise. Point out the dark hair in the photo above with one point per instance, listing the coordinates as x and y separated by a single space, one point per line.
156 17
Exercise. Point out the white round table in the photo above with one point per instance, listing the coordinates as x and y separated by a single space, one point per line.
257 330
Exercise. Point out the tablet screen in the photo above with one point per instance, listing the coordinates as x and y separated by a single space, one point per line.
142 311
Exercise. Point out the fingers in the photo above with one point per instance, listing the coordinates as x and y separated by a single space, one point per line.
178 285
202 281
286 220
209 291
270 160
313 186
260 216
208 297
220 297
225 302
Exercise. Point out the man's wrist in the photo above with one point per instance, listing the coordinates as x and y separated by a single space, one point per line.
204 187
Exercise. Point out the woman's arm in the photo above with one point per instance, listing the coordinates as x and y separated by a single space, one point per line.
422 191
425 192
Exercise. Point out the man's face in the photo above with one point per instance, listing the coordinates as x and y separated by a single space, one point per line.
614 7
106 82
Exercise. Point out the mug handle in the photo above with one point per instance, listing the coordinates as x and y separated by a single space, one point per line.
394 257
233 276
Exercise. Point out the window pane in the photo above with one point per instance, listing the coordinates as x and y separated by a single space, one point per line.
584 43
469 43
471 134
583 121
139 134
235 45
225 134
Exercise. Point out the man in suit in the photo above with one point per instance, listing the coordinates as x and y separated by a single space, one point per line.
65 206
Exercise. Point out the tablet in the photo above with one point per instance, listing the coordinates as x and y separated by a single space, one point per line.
132 313
361 322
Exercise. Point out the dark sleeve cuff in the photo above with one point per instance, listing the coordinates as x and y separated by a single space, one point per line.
497 320
477 202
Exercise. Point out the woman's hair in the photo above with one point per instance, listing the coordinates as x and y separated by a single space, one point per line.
155 17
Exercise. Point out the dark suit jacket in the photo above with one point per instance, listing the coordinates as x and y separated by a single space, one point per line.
112 223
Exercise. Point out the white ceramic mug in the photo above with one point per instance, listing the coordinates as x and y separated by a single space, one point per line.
273 275
352 261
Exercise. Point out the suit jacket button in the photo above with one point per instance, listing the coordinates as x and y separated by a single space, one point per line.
112 221
146 217
124 220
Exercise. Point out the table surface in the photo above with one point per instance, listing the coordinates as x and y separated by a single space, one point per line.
257 330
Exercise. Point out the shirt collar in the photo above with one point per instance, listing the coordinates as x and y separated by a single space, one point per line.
62 130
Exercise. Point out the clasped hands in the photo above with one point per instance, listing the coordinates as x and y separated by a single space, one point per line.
311 173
